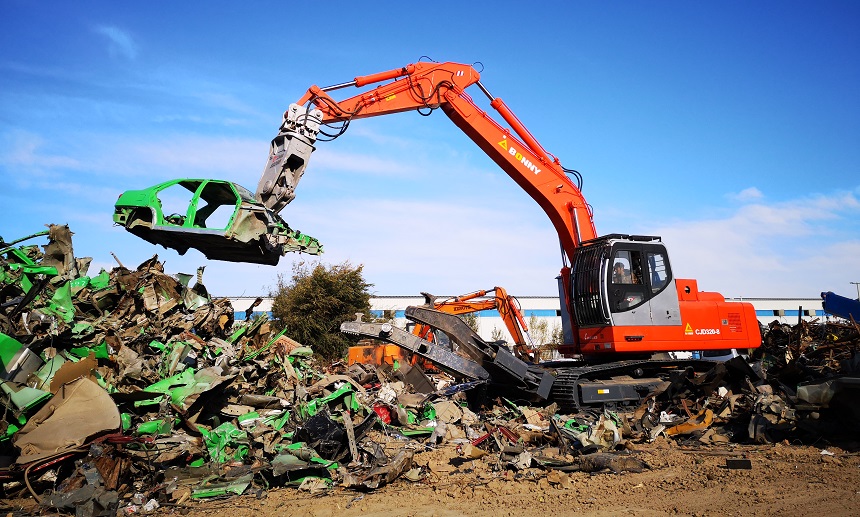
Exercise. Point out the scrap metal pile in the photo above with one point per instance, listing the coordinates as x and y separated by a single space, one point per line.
133 389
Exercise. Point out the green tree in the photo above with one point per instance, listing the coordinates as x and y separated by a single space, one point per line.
313 303
546 337
498 335
471 320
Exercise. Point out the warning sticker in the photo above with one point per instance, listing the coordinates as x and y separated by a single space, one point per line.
689 330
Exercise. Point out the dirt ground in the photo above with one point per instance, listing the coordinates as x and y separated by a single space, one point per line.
679 480
783 480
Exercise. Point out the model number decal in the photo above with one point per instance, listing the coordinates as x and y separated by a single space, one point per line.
706 332
700 332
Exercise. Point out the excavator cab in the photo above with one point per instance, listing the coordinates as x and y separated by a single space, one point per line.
618 279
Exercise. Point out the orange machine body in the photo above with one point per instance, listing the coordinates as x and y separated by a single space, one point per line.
377 355
707 322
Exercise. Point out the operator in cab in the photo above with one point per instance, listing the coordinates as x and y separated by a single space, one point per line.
621 275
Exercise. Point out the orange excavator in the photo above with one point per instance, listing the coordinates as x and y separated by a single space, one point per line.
620 300
501 301
477 301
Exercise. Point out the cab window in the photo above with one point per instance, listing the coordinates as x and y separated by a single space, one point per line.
627 289
659 271
627 267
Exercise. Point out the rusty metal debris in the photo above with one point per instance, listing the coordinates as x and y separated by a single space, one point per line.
131 389
738 463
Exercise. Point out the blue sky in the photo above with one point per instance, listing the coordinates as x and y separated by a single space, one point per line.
729 128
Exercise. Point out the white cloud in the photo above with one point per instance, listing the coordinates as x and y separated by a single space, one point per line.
794 248
193 155
747 194
161 158
120 41
22 149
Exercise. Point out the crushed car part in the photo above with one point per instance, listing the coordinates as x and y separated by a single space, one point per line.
78 411
220 219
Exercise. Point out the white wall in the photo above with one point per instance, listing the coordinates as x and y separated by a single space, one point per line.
545 308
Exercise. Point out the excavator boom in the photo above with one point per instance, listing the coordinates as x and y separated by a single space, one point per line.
428 86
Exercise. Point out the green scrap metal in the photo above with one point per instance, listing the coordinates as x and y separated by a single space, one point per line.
182 386
219 487
294 469
23 397
572 424
101 351
302 451
312 407
61 303
225 443
98 282
8 246
176 352
277 422
46 373
428 412
9 348
415 431
160 427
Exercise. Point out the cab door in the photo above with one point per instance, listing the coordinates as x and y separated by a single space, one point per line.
627 290
640 285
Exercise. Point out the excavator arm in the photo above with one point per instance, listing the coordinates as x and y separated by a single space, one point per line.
428 86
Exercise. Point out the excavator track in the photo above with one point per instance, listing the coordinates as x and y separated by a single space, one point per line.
620 382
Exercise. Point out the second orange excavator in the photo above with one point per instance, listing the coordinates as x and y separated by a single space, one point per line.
507 305
477 301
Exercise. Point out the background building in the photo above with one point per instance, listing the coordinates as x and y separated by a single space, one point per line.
543 315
